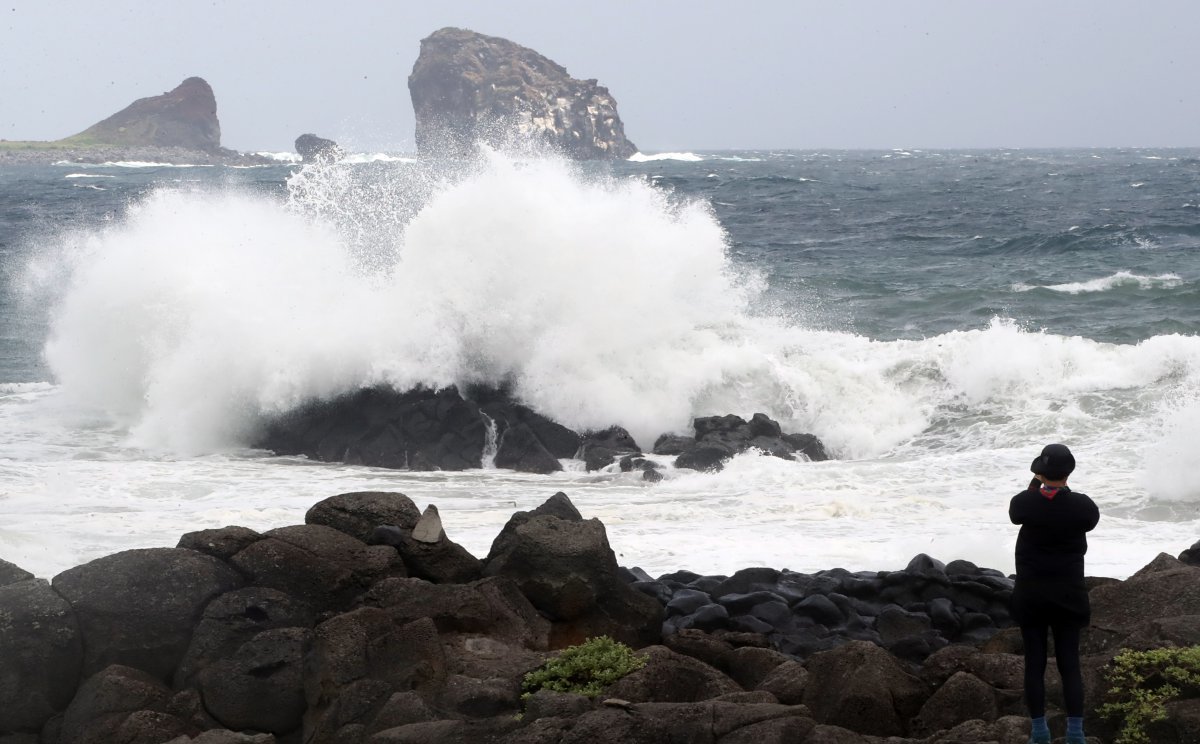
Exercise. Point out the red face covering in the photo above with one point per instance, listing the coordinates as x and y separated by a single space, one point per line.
1050 491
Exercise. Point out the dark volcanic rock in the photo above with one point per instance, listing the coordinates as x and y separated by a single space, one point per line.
468 88
313 149
319 565
359 513
185 117
40 655
558 440
138 607
222 543
1191 556
260 686
419 430
233 619
861 686
720 437
568 571
11 573
106 700
521 450
599 449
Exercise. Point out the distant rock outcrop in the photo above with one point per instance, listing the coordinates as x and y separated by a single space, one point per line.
185 117
313 148
468 88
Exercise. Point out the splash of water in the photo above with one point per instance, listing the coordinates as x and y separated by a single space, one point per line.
596 300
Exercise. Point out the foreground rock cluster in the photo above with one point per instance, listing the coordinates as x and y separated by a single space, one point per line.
368 624
424 429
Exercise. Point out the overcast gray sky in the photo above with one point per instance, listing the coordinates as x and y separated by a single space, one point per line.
686 74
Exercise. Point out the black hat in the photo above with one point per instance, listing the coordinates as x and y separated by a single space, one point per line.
1055 463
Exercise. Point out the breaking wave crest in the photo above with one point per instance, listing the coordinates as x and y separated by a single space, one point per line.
597 300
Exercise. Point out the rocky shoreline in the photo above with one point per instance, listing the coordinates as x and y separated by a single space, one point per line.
369 624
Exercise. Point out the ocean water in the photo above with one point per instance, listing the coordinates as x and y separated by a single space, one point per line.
935 317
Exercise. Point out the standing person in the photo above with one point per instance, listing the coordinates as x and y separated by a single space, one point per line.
1049 593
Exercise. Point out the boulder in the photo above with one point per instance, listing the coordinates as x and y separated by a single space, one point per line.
669 677
773 731
419 429
151 727
685 723
1120 609
358 660
719 438
222 543
11 573
557 439
106 700
225 736
749 666
492 606
184 117
599 449
1191 556
260 686
552 704
358 513
137 607
467 88
786 682
314 149
519 449
860 686
567 570
41 654
401 708
673 444
318 565
963 697
233 619
441 560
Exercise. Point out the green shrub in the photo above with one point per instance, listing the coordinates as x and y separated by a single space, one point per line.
1143 682
585 669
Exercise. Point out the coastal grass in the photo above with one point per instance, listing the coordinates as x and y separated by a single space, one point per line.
75 142
1143 682
585 669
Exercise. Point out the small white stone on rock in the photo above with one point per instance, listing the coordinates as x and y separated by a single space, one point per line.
429 526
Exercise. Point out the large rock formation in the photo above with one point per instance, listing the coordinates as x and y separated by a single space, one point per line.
467 88
185 117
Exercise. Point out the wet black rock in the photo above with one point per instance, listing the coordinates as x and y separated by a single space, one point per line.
315 149
719 438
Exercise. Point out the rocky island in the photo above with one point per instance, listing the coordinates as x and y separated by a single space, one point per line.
179 126
367 624
467 87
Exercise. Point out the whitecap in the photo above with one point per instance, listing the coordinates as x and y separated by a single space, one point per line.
1104 284
642 157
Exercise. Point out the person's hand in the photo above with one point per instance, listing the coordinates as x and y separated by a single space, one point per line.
1035 483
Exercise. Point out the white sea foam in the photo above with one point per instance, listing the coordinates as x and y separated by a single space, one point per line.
283 157
1104 284
687 157
88 175
377 157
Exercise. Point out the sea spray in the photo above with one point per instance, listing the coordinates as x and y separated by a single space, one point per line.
597 300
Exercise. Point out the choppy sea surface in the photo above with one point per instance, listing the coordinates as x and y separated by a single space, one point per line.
935 317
